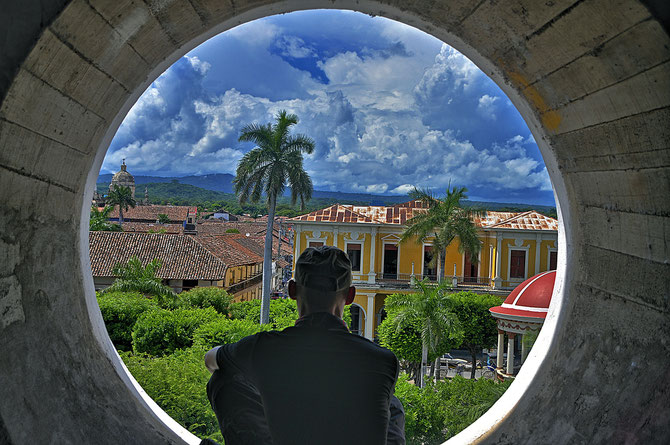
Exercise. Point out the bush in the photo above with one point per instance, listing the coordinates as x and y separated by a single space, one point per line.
283 312
120 311
177 383
224 331
232 231
442 409
204 297
161 332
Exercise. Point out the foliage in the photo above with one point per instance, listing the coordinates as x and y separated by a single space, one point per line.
163 218
283 312
177 383
203 297
100 221
268 168
446 219
479 327
161 231
122 197
442 409
223 331
162 331
134 277
120 311
232 231
346 315
426 310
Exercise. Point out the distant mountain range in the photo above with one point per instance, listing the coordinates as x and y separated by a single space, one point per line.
223 183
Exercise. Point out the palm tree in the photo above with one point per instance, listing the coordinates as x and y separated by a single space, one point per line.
444 219
134 277
268 168
100 220
429 305
123 197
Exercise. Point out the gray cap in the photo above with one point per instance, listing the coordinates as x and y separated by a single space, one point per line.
324 269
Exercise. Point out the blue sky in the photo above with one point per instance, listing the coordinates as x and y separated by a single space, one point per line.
389 107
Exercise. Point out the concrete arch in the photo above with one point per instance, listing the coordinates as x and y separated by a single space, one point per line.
592 79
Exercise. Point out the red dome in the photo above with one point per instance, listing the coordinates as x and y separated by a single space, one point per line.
529 299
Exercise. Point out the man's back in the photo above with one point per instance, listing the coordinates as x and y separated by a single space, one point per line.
318 383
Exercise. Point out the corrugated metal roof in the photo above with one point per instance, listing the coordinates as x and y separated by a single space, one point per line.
399 214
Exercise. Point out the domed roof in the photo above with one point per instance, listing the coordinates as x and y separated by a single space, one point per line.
122 175
529 300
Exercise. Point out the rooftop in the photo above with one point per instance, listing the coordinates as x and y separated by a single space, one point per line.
400 213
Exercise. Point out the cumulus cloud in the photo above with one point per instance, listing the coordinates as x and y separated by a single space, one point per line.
387 118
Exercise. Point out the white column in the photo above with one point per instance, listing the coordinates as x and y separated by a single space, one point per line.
336 232
524 350
501 349
498 279
538 242
373 243
369 317
510 353
296 242
491 263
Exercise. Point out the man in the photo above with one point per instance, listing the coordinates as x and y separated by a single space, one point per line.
314 383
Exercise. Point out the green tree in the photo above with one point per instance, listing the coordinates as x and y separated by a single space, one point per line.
100 220
163 218
429 307
208 296
479 327
268 168
122 197
135 277
445 219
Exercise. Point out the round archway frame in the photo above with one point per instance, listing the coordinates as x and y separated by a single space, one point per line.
592 80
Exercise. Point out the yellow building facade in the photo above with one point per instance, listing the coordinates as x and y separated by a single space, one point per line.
514 246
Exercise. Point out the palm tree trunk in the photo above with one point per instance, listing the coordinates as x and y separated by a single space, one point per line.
474 363
267 262
120 215
438 368
424 359
439 265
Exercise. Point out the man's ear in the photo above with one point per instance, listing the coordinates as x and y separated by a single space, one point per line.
351 294
292 289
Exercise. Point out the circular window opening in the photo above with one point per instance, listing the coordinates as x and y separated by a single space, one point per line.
390 109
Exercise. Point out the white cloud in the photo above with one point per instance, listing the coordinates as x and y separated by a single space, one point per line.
488 106
295 47
402 189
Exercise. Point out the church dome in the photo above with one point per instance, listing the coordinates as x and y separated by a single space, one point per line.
529 301
123 179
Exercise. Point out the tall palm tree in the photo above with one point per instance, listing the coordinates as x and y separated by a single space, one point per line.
274 163
123 197
444 219
430 306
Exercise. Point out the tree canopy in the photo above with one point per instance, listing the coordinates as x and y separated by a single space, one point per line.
122 197
275 163
444 220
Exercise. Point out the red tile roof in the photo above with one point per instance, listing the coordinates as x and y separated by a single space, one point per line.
182 257
145 227
399 214
150 213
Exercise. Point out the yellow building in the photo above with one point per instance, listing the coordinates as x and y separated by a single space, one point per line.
514 246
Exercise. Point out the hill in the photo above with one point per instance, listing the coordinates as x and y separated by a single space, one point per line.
177 193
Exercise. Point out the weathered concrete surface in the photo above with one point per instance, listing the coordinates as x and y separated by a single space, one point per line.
591 78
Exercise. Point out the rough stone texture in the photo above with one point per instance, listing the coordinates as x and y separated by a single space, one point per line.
591 78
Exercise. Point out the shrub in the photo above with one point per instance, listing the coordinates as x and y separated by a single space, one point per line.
120 311
283 312
224 331
161 332
442 409
177 383
232 231
203 297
